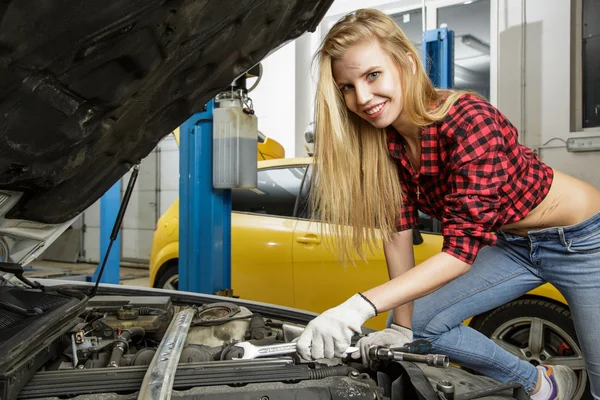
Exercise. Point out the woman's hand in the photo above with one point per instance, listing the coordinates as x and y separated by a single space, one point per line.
394 336
329 334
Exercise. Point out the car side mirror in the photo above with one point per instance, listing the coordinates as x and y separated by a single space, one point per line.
417 237
17 270
11 268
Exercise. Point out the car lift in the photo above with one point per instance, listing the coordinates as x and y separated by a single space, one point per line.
109 209
438 57
205 212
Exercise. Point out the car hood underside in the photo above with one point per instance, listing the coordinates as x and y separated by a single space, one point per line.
88 88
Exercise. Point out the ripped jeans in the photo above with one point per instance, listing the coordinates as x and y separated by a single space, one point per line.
568 257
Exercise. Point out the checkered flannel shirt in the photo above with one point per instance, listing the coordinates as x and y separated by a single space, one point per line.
474 177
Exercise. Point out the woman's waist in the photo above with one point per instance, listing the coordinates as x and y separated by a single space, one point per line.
568 202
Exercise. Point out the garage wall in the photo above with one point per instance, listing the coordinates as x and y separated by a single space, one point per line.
91 234
168 152
141 215
156 188
275 97
547 107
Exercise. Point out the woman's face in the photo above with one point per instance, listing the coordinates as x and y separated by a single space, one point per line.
370 82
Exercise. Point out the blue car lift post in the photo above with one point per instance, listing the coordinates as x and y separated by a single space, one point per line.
438 57
109 209
204 212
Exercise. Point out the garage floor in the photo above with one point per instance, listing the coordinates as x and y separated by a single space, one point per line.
131 274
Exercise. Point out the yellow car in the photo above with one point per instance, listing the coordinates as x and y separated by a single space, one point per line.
278 256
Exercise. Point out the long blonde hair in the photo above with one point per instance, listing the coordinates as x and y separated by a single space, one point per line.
357 193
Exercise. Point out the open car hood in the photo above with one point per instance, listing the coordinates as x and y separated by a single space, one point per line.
88 88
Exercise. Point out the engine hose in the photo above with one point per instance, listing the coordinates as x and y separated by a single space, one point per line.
121 344
129 334
322 373
119 348
151 311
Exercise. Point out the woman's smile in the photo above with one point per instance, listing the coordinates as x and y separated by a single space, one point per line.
375 111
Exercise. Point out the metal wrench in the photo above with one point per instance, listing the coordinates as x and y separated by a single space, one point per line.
252 351
380 353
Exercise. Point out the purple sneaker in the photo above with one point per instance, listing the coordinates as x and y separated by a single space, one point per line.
563 381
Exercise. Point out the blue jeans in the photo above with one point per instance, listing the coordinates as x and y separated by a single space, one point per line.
568 257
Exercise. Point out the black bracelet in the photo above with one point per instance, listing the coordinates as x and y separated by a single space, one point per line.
402 326
369 301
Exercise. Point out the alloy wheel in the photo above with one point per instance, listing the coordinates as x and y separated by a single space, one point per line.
172 283
542 342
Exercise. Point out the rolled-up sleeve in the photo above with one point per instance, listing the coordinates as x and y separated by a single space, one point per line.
471 211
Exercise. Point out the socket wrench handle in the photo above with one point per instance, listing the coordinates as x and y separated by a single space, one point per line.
433 360
377 353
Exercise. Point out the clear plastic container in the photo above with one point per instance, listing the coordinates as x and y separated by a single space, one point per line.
235 140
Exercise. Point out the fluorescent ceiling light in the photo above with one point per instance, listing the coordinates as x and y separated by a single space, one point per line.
475 44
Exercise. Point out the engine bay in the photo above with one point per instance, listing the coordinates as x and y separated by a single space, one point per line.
117 346
120 331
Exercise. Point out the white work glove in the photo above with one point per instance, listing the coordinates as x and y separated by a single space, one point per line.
329 334
394 336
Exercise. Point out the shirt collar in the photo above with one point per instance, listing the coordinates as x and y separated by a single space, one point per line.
429 148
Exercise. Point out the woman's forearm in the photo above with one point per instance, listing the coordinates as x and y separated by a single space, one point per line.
400 258
416 282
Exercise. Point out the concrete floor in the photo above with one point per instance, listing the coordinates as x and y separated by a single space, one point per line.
131 274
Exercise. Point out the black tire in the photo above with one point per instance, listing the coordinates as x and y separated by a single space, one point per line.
510 326
168 277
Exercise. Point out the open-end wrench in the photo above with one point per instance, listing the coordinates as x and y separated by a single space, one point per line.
252 351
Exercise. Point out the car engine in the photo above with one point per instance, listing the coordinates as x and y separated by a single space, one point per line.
60 343
119 331
113 342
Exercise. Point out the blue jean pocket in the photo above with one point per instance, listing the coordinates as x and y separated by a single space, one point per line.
587 244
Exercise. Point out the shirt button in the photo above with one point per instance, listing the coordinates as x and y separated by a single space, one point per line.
470 196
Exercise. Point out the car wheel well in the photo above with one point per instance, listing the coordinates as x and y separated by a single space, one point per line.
164 268
479 320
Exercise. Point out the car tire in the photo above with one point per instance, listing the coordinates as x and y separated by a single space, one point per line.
553 336
169 279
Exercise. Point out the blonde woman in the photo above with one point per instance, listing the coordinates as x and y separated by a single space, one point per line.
387 145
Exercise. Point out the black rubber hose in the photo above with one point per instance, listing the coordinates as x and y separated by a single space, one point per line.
337 370
122 344
130 333
151 311
119 348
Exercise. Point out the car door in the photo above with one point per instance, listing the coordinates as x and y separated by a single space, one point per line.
428 240
261 238
320 281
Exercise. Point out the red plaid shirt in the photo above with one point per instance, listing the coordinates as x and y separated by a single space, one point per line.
474 177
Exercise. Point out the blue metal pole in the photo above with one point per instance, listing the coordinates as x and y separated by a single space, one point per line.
204 212
438 57
109 209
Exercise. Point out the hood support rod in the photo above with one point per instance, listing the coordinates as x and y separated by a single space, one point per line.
118 222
